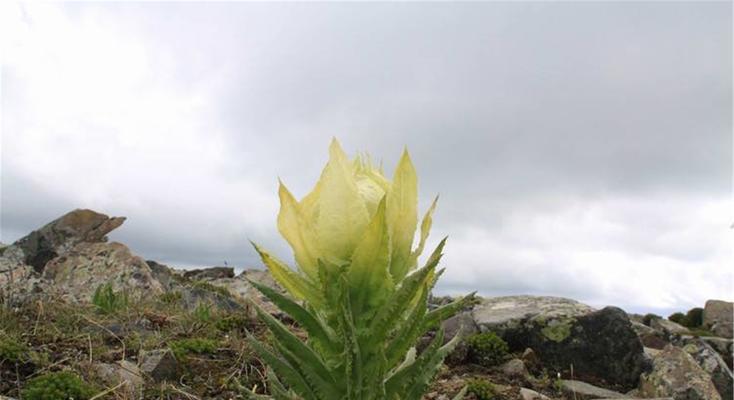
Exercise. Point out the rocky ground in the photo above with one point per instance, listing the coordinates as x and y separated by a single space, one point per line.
131 328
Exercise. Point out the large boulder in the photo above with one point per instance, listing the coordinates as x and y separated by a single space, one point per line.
78 273
601 345
460 324
712 363
61 235
668 328
676 374
194 291
718 316
242 290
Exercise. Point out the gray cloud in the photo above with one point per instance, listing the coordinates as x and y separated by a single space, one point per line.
564 138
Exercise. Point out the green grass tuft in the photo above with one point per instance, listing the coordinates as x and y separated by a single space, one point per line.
57 386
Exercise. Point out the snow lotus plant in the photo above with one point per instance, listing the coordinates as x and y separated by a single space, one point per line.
358 291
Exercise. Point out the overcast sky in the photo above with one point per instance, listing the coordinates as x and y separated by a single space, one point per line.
580 149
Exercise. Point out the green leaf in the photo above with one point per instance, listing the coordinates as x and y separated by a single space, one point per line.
291 281
301 357
321 335
403 298
425 231
368 275
461 394
408 331
291 376
402 204
435 317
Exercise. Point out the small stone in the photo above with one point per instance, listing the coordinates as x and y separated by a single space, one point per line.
159 364
119 372
528 394
514 369
530 358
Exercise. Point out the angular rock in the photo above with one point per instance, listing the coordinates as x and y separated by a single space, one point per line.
723 346
601 345
61 235
78 273
160 365
668 328
650 337
676 374
241 289
585 391
515 369
528 394
123 372
530 359
464 323
18 281
718 317
193 291
713 364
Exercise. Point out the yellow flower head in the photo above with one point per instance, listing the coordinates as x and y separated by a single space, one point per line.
343 213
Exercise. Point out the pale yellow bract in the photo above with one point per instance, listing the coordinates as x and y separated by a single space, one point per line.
331 221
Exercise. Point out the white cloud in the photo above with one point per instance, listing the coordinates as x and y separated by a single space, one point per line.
564 167
658 252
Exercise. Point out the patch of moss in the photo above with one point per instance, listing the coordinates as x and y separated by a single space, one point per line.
487 349
12 350
557 330
183 347
482 389
57 386
231 323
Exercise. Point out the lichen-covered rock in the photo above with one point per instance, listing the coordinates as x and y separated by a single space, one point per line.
61 235
241 289
78 273
650 337
676 374
723 346
503 313
18 281
718 316
712 363
668 328
192 292
601 345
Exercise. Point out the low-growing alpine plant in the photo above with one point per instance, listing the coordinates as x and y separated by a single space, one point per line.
358 290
